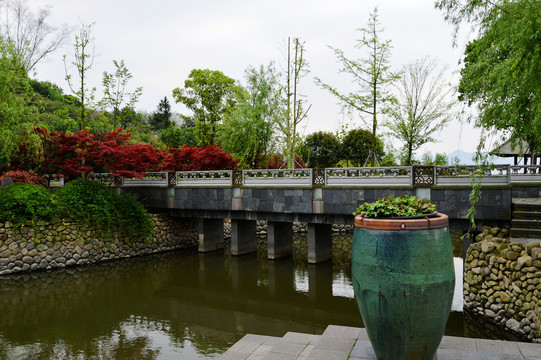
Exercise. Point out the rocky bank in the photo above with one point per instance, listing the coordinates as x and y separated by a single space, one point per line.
502 282
46 246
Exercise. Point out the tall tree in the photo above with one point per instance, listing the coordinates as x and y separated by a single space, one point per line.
502 66
115 95
130 119
295 111
210 95
357 145
83 59
31 35
425 100
372 75
161 119
17 115
248 133
323 149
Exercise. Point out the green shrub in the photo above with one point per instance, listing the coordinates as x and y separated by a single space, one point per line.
133 217
90 202
396 207
21 202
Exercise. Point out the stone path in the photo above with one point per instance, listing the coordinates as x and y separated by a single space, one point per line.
342 343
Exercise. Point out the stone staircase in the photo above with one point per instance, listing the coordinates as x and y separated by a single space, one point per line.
336 343
349 343
526 222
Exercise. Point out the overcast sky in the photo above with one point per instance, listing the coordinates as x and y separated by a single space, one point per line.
161 41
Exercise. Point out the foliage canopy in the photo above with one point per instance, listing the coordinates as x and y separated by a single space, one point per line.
424 105
210 95
323 149
17 114
371 75
357 145
248 133
502 67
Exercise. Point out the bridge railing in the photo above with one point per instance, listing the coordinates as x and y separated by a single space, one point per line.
461 175
154 179
203 178
369 176
525 174
277 177
395 176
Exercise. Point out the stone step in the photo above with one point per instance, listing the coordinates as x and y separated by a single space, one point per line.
343 342
536 215
526 233
292 345
527 204
250 347
524 241
525 224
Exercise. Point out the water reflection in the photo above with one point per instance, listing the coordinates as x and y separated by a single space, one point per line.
183 304
176 305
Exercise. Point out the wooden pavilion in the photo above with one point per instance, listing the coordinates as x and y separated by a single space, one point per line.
520 152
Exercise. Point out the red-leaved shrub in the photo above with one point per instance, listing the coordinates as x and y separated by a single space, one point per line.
191 158
28 177
82 153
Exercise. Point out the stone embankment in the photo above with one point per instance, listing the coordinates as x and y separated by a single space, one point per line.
502 282
46 246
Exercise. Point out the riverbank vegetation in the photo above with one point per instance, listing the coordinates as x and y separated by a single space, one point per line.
81 201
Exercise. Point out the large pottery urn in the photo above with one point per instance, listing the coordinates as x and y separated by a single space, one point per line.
403 277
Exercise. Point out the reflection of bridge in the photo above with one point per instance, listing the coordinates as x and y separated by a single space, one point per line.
322 197
247 294
223 297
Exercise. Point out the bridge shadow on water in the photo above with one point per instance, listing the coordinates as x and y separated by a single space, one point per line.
180 305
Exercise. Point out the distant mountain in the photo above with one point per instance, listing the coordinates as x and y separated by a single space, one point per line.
466 158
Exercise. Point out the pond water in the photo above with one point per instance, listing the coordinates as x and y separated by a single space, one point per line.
182 305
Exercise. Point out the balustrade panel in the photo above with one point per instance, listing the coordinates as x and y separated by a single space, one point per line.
277 177
153 179
204 178
369 176
461 175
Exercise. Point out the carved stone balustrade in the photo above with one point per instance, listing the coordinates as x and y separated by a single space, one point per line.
369 176
218 178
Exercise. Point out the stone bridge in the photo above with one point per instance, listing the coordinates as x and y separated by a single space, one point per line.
321 197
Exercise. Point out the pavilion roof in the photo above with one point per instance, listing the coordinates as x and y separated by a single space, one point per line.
508 149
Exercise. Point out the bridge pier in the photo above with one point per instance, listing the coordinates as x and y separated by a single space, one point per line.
211 234
279 239
243 237
319 242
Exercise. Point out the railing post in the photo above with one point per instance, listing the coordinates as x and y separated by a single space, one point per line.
423 176
171 179
319 178
423 180
237 178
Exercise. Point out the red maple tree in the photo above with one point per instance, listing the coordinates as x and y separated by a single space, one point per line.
83 153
